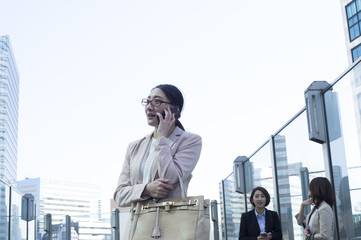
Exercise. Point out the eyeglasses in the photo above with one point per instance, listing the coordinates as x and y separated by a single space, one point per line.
155 102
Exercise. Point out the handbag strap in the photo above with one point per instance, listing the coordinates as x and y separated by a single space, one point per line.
181 183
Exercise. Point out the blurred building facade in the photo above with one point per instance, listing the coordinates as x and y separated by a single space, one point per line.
60 198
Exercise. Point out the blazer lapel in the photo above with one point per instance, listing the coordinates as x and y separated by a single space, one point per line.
173 138
138 158
254 221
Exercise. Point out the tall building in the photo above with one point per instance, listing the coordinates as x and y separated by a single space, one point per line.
9 107
232 204
9 99
351 13
60 198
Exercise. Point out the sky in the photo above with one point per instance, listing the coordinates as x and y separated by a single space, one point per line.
85 65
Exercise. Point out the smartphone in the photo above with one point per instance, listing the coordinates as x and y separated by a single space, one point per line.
263 234
173 109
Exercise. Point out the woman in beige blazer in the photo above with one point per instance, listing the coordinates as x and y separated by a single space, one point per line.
152 163
319 224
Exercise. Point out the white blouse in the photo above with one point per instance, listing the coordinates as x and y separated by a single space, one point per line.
147 163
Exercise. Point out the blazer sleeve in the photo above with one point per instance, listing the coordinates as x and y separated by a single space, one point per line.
300 218
183 161
276 227
325 216
126 193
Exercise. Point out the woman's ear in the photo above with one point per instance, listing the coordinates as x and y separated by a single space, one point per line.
175 109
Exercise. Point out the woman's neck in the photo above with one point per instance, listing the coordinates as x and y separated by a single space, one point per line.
155 133
260 210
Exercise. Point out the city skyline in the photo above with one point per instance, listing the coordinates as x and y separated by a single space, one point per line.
242 66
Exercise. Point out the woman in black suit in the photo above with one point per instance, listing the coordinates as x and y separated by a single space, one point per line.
260 220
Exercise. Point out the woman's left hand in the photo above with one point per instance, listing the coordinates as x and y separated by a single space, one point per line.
158 188
166 125
306 233
269 236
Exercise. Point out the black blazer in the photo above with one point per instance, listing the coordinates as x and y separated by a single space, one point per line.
249 229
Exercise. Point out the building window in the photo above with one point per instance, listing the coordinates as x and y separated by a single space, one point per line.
353 11
356 53
359 102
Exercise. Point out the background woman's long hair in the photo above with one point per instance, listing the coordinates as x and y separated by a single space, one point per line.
321 190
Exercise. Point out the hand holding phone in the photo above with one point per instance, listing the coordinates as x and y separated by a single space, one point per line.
173 109
264 234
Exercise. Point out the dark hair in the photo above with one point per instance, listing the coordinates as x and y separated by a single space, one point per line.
321 190
264 191
175 97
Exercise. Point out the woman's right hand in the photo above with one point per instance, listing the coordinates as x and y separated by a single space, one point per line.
158 188
307 202
166 124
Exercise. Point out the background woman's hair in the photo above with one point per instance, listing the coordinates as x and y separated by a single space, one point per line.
175 97
265 193
321 190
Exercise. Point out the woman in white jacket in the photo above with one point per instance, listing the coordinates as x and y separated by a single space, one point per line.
319 224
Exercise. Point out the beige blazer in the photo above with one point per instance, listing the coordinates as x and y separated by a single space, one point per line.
178 153
322 225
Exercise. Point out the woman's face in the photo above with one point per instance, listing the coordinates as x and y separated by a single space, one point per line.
150 110
259 199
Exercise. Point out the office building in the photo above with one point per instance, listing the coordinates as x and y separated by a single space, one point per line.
60 198
231 205
351 13
9 108
9 101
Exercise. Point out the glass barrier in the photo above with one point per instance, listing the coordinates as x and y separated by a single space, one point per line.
13 216
261 172
97 228
298 160
343 112
233 205
18 229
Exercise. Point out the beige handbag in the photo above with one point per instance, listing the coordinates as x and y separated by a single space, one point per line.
185 218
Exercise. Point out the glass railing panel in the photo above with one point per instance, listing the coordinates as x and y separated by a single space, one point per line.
98 227
232 204
298 160
343 111
261 175
4 210
18 229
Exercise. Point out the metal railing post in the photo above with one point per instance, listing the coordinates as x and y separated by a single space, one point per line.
48 226
214 215
67 227
115 224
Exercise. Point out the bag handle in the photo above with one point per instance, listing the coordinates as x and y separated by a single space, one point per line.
181 183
